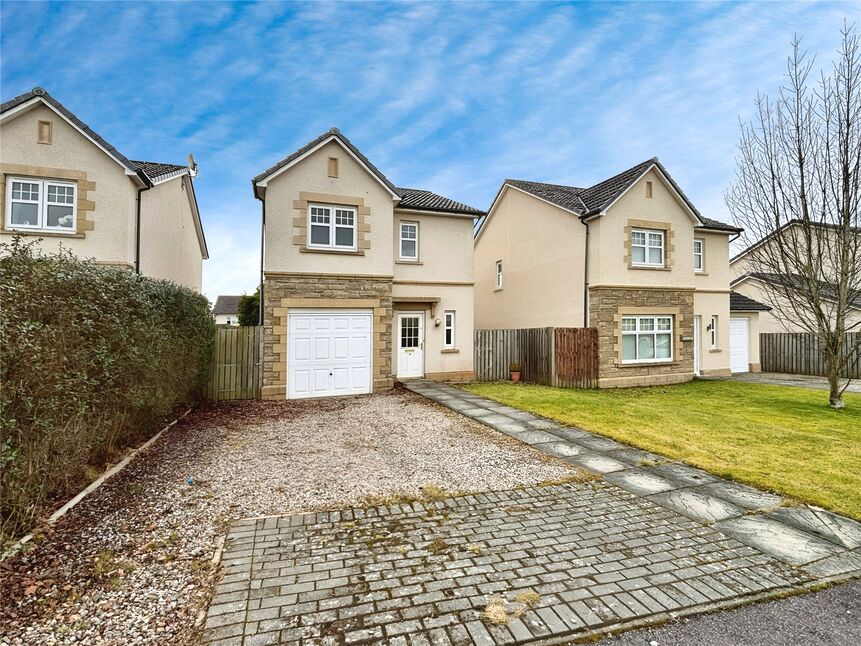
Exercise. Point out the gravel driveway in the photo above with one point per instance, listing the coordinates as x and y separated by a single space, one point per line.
131 563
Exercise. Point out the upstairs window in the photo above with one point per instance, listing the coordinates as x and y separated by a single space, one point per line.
647 247
646 339
448 330
498 274
409 241
331 227
40 204
698 254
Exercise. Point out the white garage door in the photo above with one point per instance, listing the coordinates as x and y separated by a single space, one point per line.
738 345
329 353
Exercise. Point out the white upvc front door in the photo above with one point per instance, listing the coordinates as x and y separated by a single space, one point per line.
698 322
411 344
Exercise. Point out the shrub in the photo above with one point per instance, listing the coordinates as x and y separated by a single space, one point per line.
91 360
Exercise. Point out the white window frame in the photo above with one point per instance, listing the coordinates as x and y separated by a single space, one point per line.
699 255
713 331
43 204
401 256
498 274
638 332
646 246
449 322
334 226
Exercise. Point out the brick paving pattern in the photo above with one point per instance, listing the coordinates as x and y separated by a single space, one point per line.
594 554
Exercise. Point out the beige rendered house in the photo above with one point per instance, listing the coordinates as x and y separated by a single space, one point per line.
630 256
66 186
363 282
746 280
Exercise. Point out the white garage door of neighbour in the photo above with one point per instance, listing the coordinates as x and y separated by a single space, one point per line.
329 353
738 345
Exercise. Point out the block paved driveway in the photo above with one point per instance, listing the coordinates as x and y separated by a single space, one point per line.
644 540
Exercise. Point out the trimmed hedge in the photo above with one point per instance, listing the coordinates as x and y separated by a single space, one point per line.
92 359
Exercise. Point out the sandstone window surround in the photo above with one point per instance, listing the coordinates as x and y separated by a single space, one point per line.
302 223
658 315
644 240
59 191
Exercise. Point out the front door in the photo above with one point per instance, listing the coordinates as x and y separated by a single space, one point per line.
697 342
411 345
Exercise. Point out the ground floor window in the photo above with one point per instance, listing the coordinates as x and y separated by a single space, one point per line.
448 341
647 338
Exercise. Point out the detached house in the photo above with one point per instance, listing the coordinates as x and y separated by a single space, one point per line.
630 256
64 184
748 279
363 282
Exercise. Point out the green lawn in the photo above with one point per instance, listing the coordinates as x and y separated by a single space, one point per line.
780 438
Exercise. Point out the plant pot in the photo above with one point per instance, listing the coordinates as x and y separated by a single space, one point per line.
515 376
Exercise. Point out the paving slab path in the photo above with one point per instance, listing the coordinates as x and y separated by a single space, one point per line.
643 540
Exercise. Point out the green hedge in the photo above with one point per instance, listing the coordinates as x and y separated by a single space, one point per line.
92 359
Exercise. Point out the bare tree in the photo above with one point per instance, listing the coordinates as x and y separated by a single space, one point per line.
796 194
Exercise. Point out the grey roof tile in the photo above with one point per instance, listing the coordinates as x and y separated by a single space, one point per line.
596 198
741 303
156 170
415 198
226 304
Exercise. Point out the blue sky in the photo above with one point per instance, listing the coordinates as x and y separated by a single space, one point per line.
448 97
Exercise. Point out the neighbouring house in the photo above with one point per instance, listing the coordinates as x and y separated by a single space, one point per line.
226 310
759 285
630 256
363 282
64 184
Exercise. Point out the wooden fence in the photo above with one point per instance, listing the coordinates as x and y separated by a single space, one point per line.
236 370
800 353
566 357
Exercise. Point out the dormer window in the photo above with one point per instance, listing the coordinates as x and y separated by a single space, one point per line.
331 227
647 247
40 204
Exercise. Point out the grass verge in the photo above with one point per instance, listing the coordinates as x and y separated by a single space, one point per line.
780 438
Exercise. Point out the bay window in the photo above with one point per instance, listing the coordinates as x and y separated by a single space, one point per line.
647 247
647 339
332 227
40 204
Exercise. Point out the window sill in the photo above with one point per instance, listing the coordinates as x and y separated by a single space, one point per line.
700 273
42 234
497 289
408 262
650 267
449 351
645 364
715 350
340 252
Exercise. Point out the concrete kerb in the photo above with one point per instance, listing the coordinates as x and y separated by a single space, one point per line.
107 475
651 621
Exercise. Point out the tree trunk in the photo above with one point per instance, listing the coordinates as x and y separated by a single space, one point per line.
835 397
